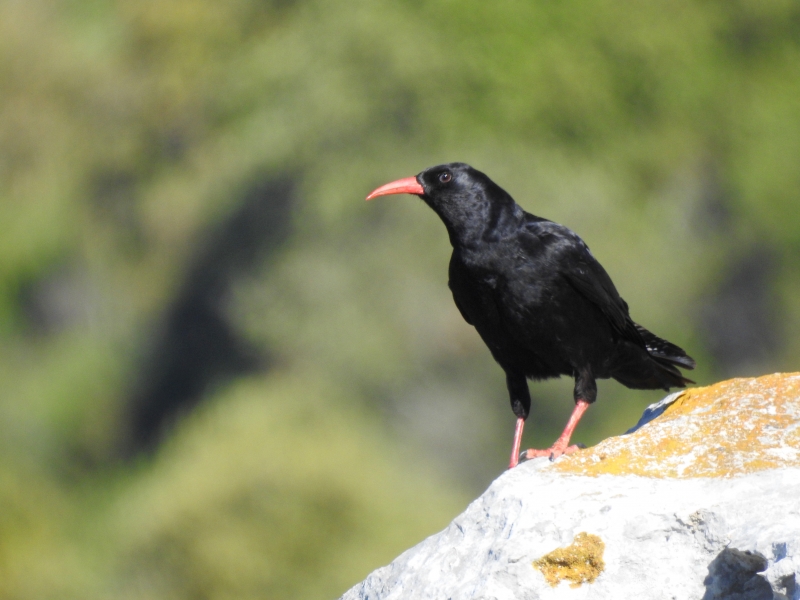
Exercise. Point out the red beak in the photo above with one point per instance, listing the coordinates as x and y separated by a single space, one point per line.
409 185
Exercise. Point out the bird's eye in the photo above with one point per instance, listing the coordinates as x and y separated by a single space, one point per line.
445 177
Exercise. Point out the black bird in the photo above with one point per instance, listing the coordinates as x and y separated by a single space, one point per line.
540 301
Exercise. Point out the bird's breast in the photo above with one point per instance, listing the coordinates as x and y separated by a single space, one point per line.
490 281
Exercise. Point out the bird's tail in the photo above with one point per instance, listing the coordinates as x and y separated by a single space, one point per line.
663 359
664 351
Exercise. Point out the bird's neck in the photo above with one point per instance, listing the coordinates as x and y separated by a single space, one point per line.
491 223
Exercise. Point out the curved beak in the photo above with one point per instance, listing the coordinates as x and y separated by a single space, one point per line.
409 185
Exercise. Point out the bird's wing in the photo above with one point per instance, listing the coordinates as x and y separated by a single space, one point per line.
588 277
592 282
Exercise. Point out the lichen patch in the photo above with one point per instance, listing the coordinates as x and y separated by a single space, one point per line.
731 428
580 562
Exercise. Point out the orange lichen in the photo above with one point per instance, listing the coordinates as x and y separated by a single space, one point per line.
730 428
580 562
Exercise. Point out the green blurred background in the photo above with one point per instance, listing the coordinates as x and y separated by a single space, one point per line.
224 375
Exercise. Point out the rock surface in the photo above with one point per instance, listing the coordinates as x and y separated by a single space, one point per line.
702 502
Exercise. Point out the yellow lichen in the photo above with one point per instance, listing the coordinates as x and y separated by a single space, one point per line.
731 428
580 562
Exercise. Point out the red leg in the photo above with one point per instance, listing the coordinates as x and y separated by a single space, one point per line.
517 441
561 445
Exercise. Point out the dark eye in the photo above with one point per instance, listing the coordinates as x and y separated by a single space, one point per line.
445 177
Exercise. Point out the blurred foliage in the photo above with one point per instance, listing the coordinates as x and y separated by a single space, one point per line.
667 135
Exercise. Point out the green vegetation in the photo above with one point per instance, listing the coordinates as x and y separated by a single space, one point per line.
667 135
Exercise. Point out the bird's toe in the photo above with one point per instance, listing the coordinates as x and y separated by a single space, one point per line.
552 453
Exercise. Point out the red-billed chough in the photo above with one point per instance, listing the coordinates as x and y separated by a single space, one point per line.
541 302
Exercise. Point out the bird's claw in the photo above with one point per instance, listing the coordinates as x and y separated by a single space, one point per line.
551 453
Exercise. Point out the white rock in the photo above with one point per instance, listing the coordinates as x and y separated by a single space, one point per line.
661 537
730 537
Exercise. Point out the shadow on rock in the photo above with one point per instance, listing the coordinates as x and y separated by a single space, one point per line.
734 575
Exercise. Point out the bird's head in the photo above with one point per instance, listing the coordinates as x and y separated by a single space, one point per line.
464 198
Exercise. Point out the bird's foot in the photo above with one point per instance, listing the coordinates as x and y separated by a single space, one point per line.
561 445
553 452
